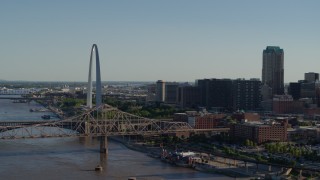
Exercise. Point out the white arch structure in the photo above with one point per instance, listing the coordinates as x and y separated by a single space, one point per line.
98 79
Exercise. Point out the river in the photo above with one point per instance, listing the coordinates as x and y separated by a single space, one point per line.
76 158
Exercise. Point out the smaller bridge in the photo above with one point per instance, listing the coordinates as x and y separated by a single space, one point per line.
101 121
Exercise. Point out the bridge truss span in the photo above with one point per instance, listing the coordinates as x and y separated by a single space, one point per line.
104 120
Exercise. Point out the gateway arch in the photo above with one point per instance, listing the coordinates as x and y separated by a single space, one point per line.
94 49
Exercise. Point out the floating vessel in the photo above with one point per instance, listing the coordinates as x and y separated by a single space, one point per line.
98 168
38 110
20 101
46 117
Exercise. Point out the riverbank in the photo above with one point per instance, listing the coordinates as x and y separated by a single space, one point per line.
151 151
207 166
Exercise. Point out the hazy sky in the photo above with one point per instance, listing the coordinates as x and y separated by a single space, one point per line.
147 40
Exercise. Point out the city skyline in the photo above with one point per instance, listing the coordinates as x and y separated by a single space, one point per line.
147 41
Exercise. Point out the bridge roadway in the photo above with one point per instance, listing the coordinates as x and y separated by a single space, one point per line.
13 123
24 123
99 128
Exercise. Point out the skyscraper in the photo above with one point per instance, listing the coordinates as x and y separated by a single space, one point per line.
272 69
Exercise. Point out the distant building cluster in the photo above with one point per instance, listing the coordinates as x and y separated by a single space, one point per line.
228 95
247 100
219 94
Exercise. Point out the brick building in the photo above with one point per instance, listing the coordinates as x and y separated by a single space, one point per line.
259 132
285 104
246 116
199 120
208 121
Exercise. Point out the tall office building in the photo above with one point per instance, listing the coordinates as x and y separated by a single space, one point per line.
215 93
246 94
295 90
171 92
160 91
188 96
272 69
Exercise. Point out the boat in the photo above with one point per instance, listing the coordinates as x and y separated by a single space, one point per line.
38 110
20 101
98 168
183 164
46 117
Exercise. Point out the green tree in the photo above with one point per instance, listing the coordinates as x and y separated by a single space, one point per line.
247 142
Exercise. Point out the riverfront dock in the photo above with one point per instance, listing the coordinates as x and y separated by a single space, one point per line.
215 164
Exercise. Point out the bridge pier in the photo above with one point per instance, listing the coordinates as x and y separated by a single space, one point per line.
86 128
103 160
104 145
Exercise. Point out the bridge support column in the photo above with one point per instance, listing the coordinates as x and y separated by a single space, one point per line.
270 168
103 160
104 145
86 128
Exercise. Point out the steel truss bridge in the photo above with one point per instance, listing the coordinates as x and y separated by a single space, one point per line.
104 120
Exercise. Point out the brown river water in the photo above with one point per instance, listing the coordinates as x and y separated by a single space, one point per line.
76 158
